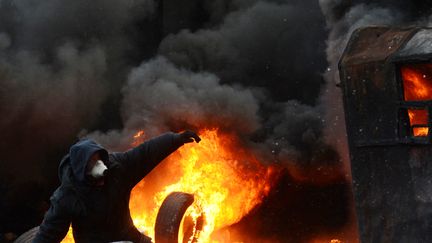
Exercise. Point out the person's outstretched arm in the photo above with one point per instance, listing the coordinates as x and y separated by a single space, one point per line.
139 161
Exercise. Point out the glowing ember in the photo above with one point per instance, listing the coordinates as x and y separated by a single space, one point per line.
227 181
139 138
327 241
417 83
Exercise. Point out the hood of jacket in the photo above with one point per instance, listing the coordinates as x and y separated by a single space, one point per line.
75 162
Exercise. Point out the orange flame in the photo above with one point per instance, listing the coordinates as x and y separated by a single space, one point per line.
417 83
69 237
418 118
138 138
326 241
417 80
227 181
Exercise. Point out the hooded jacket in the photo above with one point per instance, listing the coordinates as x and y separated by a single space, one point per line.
101 213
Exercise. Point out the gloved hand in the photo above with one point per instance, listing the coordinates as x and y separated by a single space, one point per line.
188 137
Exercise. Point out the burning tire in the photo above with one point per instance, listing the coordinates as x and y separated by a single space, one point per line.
171 217
28 236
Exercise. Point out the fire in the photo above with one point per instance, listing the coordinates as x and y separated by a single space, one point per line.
417 83
69 237
138 138
226 180
417 80
419 117
326 241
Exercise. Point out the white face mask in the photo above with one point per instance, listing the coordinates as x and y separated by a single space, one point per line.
98 169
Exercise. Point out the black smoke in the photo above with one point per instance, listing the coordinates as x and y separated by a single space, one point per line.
61 66
106 69
252 46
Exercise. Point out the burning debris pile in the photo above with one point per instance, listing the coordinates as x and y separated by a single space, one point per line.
226 180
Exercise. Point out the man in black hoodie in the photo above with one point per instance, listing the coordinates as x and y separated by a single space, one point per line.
95 190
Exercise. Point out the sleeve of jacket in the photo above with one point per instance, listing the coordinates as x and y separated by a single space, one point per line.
139 161
56 223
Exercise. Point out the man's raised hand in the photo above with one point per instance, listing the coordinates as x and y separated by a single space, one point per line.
189 136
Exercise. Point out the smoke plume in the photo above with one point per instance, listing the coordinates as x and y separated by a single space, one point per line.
237 76
59 64
254 46
106 69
